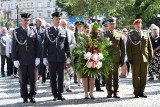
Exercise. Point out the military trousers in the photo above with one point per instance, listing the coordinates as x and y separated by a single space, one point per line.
114 73
3 59
139 77
27 74
56 71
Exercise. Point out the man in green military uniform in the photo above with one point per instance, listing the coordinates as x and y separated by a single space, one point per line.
117 54
139 51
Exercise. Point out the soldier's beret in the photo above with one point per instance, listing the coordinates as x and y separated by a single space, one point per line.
112 20
25 15
56 14
137 21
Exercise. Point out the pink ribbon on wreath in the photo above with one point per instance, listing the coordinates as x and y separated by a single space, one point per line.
94 63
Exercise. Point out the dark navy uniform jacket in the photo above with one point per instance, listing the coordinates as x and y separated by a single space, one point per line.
55 51
25 46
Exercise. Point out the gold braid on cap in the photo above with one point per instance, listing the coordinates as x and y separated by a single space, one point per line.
77 21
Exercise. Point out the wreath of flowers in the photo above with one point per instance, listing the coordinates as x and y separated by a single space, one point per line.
92 53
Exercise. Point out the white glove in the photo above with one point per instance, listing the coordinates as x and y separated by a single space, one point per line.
37 61
16 64
45 61
68 61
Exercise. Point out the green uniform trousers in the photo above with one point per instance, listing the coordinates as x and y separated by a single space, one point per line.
139 76
114 73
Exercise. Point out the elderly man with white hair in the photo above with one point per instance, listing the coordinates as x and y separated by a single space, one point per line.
12 68
41 67
72 43
3 37
72 27
154 65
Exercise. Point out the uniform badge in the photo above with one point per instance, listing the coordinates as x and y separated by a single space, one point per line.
62 32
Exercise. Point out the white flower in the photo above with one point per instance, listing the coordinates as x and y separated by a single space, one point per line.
110 43
87 55
100 56
89 64
95 57
108 39
99 65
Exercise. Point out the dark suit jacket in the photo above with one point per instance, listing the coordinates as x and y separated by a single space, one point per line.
25 55
53 52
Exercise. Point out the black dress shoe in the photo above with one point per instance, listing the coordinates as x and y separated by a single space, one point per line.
68 90
61 98
76 82
100 90
86 98
92 97
142 95
32 100
136 96
115 96
25 101
3 75
109 96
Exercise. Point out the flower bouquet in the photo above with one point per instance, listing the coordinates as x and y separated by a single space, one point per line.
93 53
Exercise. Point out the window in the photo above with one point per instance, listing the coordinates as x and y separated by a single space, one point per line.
40 15
24 5
31 4
28 5
54 4
39 5
49 13
48 4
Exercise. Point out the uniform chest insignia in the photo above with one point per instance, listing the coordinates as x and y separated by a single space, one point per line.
135 39
156 40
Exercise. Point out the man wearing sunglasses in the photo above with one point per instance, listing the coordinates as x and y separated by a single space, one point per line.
26 55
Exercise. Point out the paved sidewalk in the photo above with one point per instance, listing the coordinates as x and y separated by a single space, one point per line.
10 96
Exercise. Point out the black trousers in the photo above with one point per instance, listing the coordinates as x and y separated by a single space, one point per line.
3 59
27 73
75 77
42 70
56 71
97 83
128 67
12 68
44 73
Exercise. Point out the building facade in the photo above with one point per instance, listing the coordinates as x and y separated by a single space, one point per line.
39 8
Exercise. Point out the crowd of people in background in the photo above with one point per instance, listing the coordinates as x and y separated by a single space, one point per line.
42 71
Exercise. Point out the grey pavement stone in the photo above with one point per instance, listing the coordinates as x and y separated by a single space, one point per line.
10 95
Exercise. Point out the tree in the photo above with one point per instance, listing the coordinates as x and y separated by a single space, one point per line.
124 10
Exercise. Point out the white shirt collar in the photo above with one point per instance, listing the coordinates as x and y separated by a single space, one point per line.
28 28
56 27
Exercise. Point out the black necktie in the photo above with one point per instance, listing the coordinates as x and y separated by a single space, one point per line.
57 31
